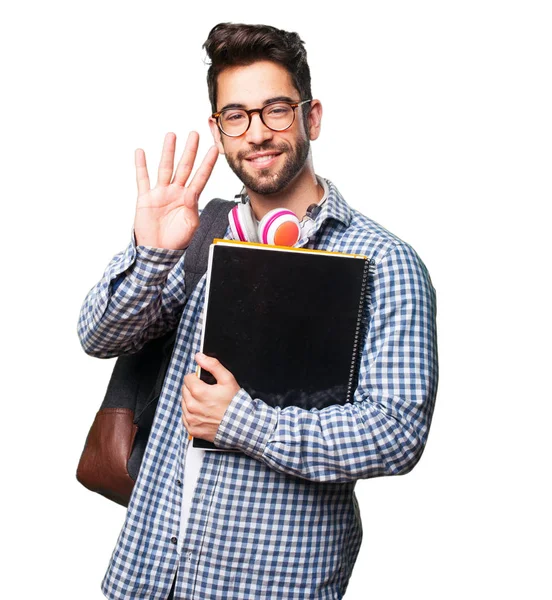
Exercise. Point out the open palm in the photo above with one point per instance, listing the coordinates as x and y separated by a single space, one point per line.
167 215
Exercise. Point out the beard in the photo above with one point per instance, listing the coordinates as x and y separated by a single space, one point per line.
263 181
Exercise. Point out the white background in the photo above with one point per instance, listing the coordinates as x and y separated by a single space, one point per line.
437 124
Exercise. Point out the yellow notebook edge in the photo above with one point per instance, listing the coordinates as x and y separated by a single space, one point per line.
287 248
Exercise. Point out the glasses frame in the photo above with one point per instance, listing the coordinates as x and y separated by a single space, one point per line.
250 112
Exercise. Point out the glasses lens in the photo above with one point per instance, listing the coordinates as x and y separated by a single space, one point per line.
278 116
234 121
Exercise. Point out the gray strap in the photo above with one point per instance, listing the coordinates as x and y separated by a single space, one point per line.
213 224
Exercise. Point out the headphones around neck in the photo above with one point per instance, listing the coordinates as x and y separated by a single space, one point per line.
280 226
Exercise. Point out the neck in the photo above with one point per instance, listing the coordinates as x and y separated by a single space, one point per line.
303 191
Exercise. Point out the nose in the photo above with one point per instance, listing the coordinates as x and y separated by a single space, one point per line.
258 132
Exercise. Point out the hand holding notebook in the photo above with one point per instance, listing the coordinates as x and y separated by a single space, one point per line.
203 404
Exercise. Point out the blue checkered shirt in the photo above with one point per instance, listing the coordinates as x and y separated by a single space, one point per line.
278 520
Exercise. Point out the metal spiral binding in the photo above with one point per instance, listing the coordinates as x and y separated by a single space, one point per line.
358 334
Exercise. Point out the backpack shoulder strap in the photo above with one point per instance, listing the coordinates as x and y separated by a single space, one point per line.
213 222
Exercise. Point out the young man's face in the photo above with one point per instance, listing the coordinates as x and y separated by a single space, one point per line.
266 161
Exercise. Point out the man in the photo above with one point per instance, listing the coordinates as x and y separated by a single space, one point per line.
278 518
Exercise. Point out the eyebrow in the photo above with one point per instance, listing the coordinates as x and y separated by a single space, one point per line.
268 101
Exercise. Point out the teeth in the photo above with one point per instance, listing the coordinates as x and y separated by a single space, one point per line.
262 159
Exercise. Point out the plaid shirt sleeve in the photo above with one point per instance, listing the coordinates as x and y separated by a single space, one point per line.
139 297
384 430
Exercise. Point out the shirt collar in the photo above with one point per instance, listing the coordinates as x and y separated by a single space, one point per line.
332 205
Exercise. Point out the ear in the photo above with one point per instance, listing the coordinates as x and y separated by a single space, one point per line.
315 119
215 132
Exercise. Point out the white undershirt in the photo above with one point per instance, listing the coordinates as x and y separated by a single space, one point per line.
192 468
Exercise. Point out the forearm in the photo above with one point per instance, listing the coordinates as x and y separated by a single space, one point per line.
146 301
339 443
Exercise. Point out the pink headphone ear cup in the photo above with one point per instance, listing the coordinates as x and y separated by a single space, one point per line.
281 227
243 224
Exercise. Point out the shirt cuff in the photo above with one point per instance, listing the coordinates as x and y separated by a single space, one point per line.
247 425
152 265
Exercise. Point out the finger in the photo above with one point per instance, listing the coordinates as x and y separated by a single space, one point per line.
185 420
204 172
166 164
215 367
192 384
186 398
188 380
188 426
186 413
142 177
186 164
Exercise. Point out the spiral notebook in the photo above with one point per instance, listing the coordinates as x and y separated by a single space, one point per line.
287 322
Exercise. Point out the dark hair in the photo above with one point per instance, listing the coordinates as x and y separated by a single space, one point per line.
237 44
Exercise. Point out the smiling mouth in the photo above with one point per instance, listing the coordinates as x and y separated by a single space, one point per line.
264 159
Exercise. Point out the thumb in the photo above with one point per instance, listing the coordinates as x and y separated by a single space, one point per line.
215 367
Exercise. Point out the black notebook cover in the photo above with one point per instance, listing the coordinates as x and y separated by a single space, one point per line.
288 323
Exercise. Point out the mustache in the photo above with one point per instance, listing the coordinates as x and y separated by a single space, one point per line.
253 149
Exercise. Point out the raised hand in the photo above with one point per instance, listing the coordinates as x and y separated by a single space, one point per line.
167 215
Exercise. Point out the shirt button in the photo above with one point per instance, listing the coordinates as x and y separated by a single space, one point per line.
189 555
174 540
178 483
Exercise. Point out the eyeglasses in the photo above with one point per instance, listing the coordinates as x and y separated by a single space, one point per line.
277 116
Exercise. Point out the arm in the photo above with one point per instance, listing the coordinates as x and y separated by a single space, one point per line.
141 293
384 430
139 297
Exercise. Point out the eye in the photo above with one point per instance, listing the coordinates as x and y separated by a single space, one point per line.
234 116
278 110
